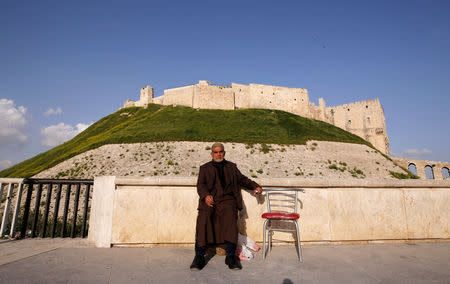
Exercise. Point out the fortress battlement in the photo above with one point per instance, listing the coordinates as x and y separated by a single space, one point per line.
364 118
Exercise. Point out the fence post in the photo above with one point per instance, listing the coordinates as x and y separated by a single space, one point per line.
2 185
16 210
6 212
23 230
75 211
47 208
55 212
85 212
66 210
36 211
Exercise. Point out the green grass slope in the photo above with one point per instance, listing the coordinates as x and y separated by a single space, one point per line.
168 123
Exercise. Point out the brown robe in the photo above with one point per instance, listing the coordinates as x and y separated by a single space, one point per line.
218 224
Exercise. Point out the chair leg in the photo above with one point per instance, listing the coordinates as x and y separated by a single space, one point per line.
298 242
264 239
270 239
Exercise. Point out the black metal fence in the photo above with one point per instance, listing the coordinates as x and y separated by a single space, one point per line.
52 208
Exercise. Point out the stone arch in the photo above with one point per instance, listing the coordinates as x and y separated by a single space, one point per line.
429 173
445 173
412 168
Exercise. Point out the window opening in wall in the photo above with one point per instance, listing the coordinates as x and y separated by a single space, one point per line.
348 109
445 173
412 168
367 106
368 120
429 172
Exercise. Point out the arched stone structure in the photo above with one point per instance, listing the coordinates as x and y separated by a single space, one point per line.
429 172
445 173
412 168
421 164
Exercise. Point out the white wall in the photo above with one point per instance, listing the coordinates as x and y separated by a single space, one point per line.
154 211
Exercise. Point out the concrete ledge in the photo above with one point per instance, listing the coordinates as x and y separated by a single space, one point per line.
162 211
11 180
296 182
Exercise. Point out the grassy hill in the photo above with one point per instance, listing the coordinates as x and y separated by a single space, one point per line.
169 123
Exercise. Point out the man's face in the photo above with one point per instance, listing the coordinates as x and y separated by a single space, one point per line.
218 154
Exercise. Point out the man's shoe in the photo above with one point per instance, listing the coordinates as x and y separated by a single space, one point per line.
233 262
198 263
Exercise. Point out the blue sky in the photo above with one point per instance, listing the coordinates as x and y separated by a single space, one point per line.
66 64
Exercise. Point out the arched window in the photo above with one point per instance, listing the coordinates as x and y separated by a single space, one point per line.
429 172
445 173
412 168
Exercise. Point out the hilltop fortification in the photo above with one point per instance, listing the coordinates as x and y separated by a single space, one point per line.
365 118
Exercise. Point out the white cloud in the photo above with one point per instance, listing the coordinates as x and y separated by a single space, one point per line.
417 153
54 135
4 164
13 123
51 111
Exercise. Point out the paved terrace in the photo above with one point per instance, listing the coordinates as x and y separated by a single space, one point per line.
73 261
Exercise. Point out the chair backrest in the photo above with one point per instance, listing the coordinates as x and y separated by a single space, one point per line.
282 200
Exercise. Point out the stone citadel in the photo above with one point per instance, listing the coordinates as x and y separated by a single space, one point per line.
365 118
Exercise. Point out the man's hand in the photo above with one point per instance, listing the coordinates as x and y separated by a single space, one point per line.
257 190
209 200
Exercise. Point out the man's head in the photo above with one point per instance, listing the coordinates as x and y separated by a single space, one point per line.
218 152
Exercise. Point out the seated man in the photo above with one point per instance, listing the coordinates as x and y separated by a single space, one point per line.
219 188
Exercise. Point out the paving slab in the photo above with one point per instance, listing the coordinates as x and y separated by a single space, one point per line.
374 263
12 250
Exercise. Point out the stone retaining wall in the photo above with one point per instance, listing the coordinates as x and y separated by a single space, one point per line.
162 211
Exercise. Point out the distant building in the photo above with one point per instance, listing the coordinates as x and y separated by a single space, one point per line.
365 118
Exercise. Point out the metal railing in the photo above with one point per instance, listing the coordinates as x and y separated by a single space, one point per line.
35 217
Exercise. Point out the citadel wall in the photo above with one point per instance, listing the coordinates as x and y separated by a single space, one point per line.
293 100
365 119
178 96
213 97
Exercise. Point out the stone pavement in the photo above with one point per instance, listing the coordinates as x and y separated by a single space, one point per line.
73 261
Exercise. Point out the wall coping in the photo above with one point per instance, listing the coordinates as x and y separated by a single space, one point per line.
11 180
292 182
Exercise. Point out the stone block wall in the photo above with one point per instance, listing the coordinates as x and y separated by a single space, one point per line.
179 96
293 100
365 119
213 97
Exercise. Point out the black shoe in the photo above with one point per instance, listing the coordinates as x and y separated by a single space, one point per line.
233 262
198 263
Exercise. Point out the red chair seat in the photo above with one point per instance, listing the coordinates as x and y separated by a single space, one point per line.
278 215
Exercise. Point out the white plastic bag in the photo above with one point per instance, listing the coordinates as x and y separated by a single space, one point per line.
243 247
249 243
